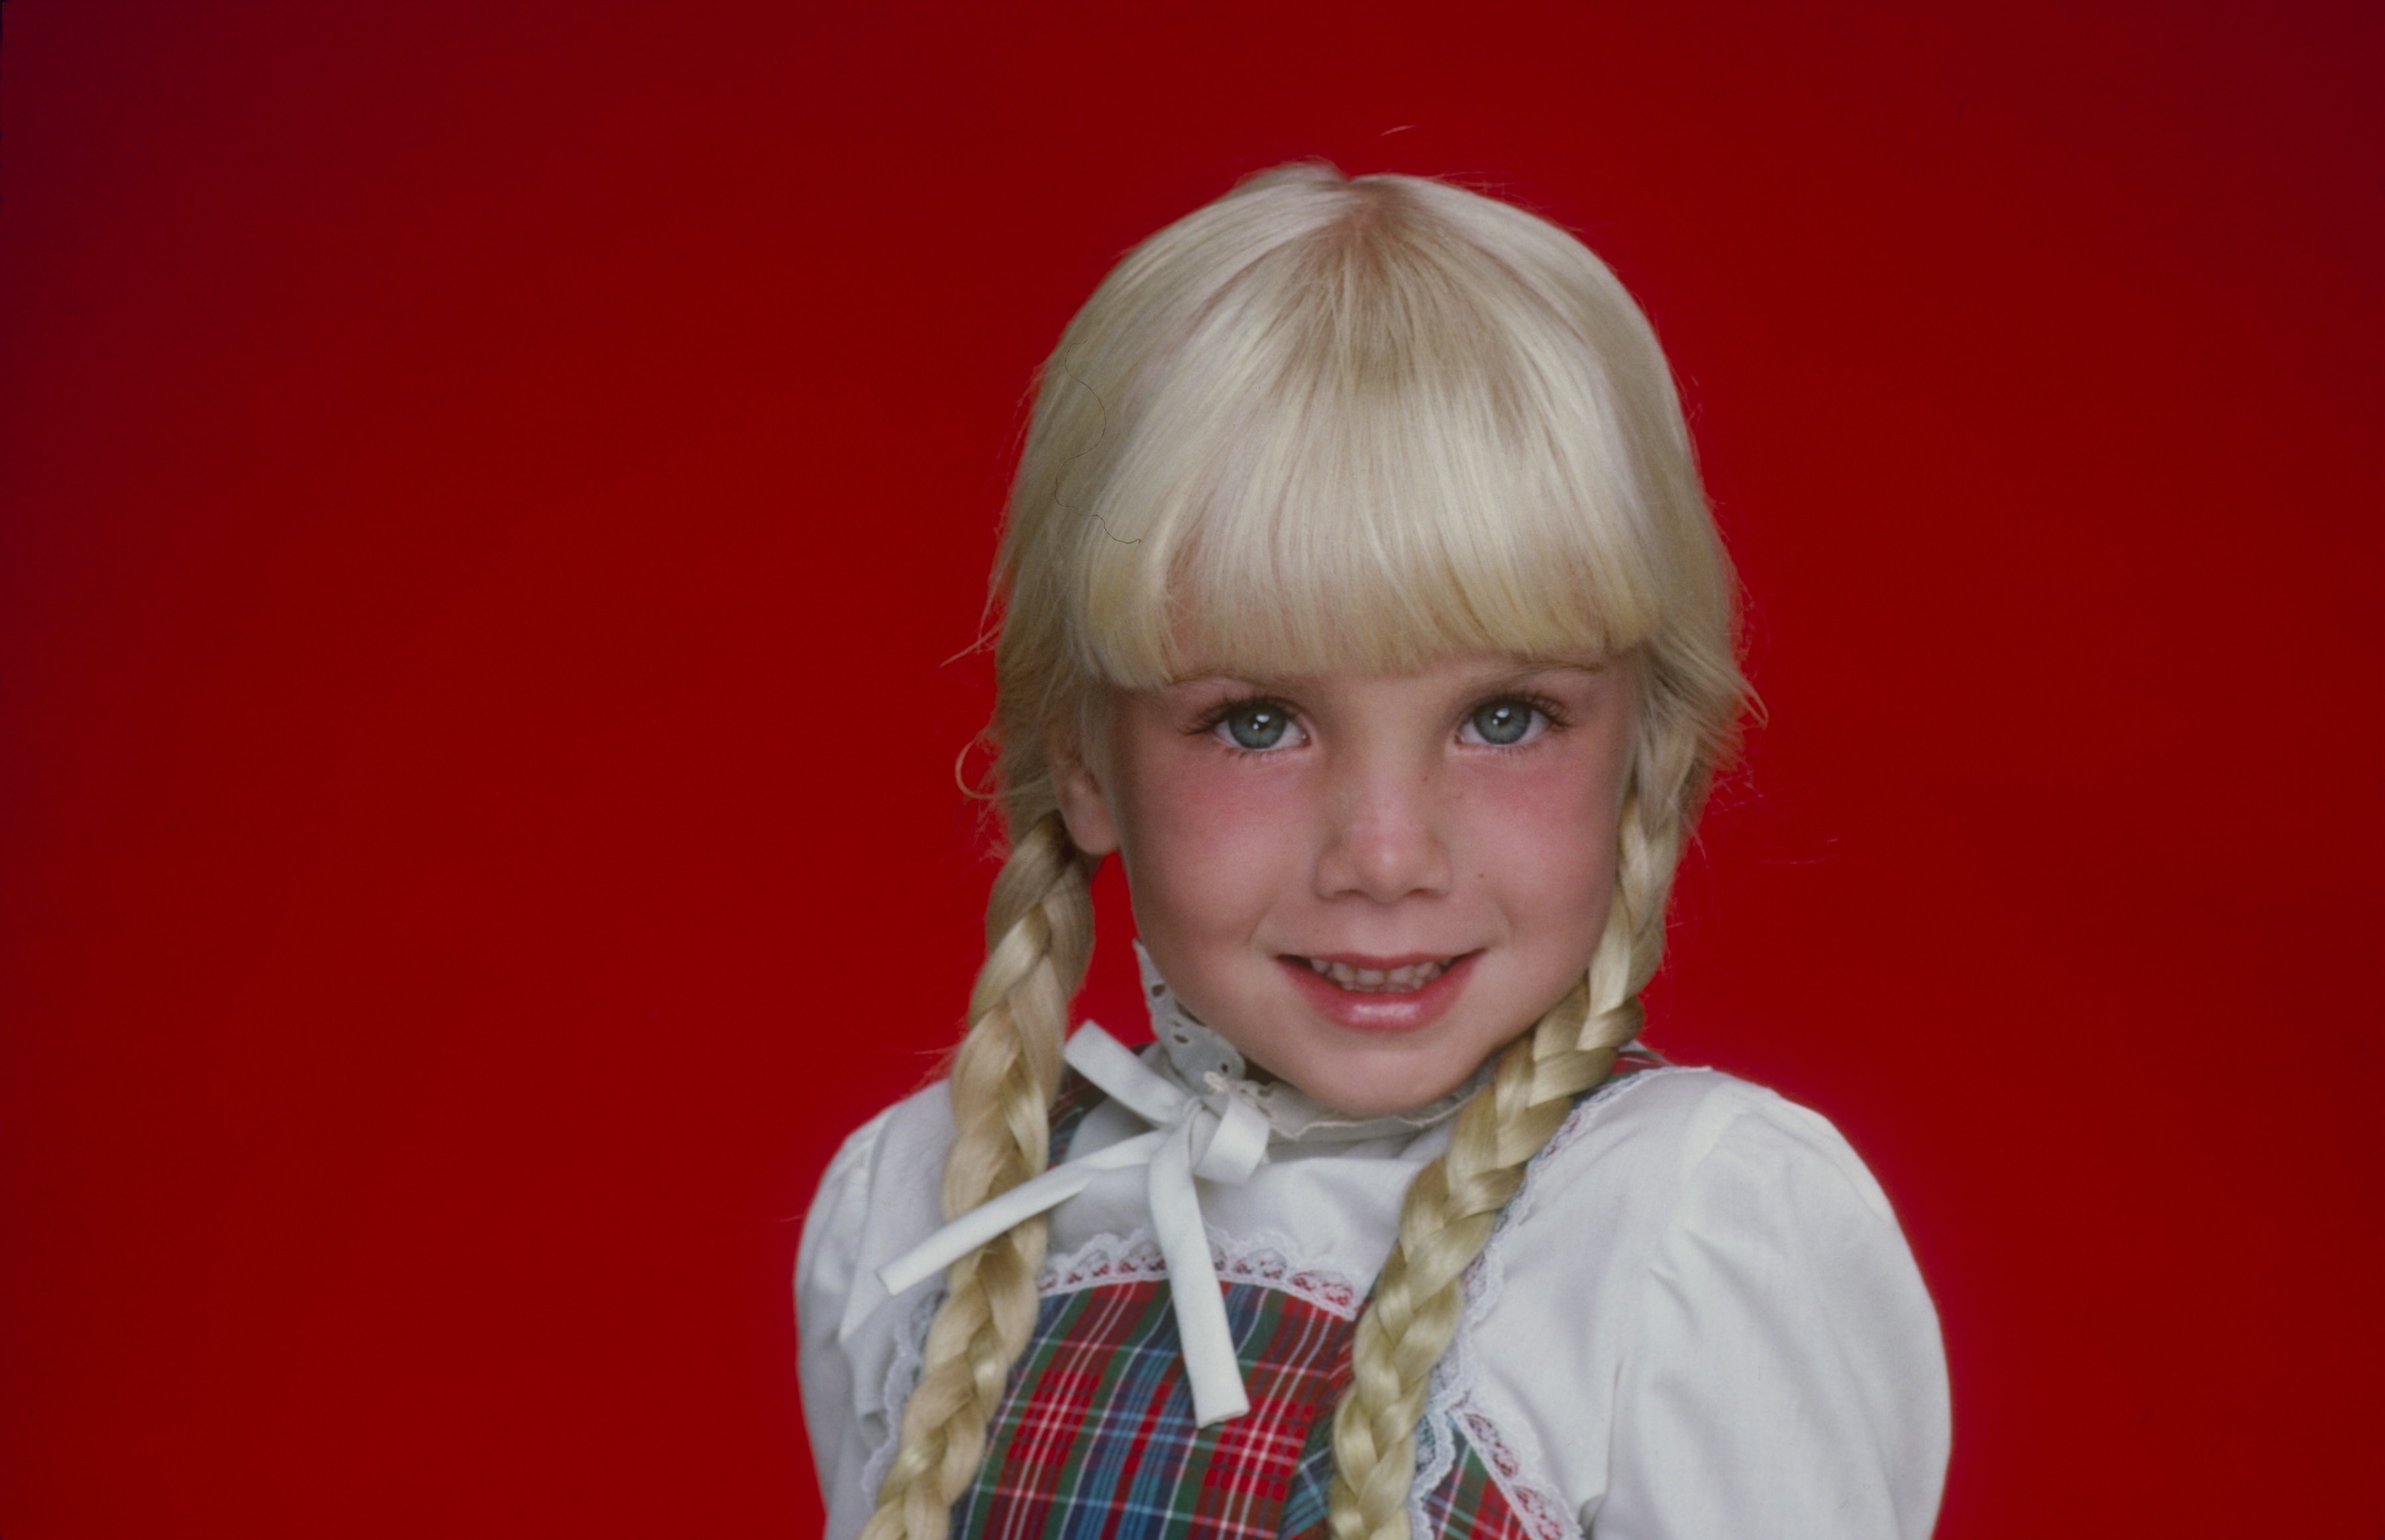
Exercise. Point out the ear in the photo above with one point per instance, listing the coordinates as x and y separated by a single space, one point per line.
1085 804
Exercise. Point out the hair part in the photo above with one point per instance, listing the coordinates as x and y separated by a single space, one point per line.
1325 424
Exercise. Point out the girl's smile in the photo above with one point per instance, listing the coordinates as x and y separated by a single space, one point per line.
1367 883
1378 994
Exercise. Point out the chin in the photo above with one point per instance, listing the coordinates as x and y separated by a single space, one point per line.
1371 1096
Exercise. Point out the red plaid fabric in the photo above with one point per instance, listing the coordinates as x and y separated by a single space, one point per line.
1096 1438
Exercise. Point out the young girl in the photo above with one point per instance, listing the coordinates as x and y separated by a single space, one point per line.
1358 591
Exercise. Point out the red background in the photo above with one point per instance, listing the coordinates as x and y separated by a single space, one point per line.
488 496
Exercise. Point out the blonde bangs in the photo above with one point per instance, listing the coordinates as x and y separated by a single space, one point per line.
1363 455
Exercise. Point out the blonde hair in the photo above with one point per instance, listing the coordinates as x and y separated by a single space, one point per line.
1325 424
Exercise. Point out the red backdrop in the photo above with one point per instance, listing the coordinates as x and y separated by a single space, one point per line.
491 495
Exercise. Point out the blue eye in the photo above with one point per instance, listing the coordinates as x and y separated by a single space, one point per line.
1259 724
1503 723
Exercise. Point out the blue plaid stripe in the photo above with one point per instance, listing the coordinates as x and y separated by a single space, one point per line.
1311 1482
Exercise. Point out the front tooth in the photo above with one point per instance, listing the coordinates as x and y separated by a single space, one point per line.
1414 975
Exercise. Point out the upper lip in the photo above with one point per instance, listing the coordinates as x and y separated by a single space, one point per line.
1383 962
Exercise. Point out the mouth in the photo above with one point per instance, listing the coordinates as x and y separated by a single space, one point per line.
1404 978
1380 994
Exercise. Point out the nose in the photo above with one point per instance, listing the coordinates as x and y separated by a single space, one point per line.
1385 830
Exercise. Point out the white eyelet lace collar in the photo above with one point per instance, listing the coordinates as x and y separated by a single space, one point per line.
1205 1061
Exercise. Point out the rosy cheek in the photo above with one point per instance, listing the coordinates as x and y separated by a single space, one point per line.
1542 832
1207 840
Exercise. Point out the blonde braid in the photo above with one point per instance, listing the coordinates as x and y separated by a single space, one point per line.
1038 932
1452 1204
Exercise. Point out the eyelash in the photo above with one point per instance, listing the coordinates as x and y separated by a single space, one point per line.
1550 711
1215 717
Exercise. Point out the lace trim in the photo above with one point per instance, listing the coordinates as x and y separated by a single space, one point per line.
1270 1261
1451 1410
902 1378
1539 1508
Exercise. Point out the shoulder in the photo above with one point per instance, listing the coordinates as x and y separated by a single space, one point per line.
1688 1178
888 1150
1709 1322
922 1124
877 1198
1692 1191
1676 1133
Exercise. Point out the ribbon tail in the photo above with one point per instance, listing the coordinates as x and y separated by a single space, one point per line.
1211 1366
981 1225
998 1214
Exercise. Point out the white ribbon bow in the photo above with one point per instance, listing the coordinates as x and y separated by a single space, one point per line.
1219 1138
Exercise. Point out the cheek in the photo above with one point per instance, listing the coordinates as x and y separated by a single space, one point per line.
1209 845
1541 842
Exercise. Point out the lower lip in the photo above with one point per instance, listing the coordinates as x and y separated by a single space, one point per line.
1378 1012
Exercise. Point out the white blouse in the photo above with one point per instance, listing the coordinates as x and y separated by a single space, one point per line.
1698 1319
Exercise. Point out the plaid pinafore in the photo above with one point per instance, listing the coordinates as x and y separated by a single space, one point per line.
1096 1438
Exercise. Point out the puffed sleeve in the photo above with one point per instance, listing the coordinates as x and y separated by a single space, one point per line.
827 1263
1785 1377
